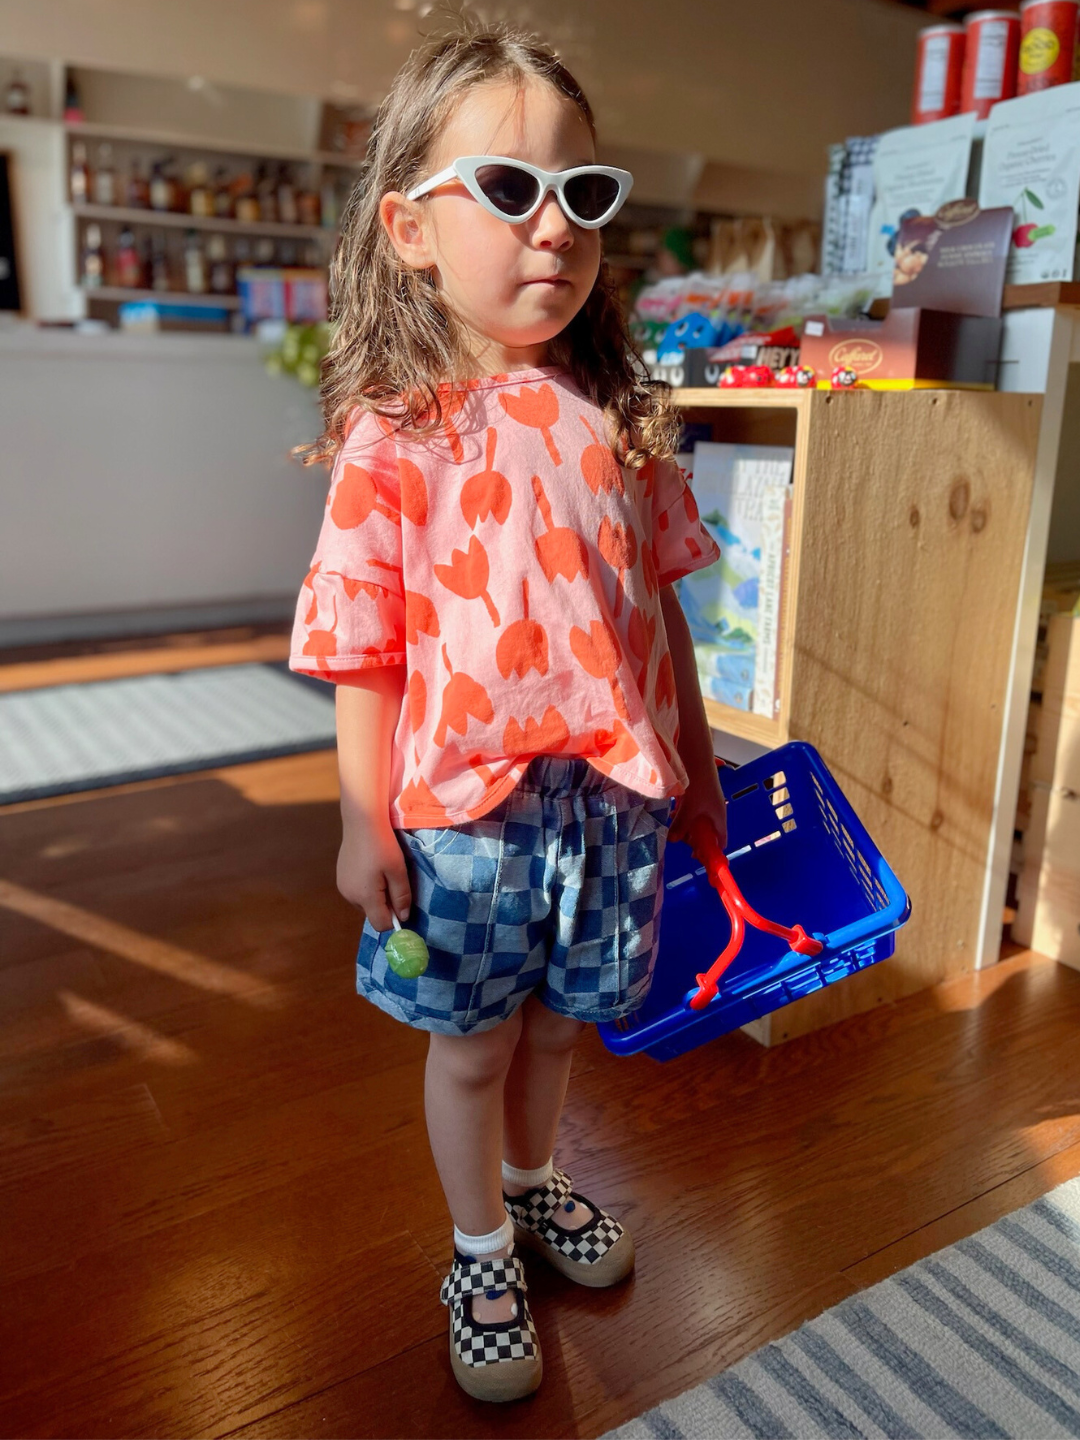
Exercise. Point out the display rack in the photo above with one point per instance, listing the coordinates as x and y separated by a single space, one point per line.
910 534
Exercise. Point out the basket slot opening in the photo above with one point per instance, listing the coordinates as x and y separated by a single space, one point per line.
774 780
788 825
745 850
766 838
783 810
746 791
779 796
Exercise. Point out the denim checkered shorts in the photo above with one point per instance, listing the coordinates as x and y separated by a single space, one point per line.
556 890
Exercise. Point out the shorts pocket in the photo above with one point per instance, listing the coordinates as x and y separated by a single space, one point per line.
429 840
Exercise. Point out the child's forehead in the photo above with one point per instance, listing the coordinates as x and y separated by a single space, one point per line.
532 121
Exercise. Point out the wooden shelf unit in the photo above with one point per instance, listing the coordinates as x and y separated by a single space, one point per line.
177 297
909 518
180 220
188 140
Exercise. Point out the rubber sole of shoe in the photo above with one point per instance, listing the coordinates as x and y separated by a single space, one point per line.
500 1381
613 1267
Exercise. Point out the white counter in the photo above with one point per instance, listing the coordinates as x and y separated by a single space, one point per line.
149 471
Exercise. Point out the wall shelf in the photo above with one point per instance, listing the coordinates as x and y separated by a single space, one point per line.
181 140
176 219
178 297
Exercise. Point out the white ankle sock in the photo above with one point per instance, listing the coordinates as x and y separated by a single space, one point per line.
478 1245
517 1178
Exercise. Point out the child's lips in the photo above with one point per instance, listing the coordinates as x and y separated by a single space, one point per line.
549 280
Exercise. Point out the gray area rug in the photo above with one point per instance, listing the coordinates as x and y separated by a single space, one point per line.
981 1340
109 732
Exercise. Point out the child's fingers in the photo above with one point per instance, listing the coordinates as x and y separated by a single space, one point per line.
400 893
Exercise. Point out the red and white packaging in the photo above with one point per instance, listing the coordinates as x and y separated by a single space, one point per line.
991 53
1047 44
939 65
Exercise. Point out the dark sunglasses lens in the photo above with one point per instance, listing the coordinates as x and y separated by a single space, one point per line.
510 190
591 196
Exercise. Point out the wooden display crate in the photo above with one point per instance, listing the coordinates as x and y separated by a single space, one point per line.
909 517
1048 893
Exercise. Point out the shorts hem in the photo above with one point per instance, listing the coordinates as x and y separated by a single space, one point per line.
385 1002
595 1016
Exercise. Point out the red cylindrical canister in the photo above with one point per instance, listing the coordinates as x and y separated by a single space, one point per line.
991 51
939 63
1047 44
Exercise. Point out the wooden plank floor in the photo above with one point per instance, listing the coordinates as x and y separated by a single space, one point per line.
219 1214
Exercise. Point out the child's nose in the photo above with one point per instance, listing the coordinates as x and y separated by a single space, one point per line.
550 225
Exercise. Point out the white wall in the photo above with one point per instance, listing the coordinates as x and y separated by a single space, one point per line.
149 470
765 86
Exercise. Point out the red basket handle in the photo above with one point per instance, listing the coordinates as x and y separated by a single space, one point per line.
705 843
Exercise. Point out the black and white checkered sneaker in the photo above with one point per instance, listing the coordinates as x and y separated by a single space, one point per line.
601 1252
497 1360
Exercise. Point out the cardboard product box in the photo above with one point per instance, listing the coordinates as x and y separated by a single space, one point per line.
910 349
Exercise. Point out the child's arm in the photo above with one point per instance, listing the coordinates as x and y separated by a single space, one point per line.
371 871
703 794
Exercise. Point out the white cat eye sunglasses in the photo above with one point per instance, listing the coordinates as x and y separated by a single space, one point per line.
513 190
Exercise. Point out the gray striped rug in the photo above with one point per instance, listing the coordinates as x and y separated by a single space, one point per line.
108 732
981 1340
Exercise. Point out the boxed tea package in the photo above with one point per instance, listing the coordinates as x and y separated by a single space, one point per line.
1031 162
916 170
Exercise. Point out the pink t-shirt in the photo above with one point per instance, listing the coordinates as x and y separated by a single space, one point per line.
514 567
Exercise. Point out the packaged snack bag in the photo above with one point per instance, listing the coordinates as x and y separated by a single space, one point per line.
916 170
1031 161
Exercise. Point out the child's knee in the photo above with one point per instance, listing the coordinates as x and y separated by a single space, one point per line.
546 1029
480 1058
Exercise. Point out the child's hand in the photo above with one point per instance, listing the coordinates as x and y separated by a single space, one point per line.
372 875
703 797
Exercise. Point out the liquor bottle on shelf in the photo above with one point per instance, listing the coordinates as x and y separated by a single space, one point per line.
159 265
80 174
328 203
105 177
138 187
200 195
223 199
73 111
221 272
17 99
93 258
161 187
128 264
247 202
146 262
194 263
264 251
307 207
179 187
286 197
266 191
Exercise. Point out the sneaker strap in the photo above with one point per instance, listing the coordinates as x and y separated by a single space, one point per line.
479 1275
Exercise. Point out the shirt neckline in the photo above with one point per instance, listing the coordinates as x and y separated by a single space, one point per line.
512 377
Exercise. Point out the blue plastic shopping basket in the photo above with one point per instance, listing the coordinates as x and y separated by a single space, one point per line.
799 854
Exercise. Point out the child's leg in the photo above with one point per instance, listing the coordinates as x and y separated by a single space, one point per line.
463 1094
534 1094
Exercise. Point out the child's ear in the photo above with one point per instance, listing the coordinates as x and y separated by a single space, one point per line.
403 223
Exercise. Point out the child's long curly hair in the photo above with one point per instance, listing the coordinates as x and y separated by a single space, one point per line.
394 340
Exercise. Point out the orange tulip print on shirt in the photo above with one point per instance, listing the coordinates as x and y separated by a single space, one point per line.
514 567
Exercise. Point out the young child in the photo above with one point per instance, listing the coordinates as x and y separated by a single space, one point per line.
491 592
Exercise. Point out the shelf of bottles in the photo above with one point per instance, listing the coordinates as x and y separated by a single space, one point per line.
180 222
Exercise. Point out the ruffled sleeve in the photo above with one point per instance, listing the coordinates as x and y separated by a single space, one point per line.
681 542
350 614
